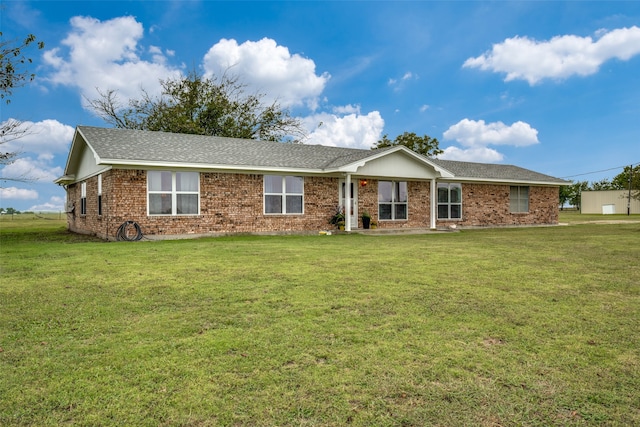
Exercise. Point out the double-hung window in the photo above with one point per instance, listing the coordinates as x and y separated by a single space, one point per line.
83 198
173 193
393 197
519 199
100 194
283 194
449 201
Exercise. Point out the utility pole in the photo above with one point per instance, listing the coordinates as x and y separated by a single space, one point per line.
629 196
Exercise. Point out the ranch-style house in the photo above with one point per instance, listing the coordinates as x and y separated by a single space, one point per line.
175 184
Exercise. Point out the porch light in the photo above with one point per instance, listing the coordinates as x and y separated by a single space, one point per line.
363 183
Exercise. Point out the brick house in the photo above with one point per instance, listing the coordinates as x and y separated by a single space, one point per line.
175 184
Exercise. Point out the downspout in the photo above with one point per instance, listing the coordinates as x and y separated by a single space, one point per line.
347 202
433 204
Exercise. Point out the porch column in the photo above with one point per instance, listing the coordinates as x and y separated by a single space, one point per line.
434 203
347 203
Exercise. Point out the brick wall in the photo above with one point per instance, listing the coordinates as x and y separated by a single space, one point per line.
229 203
233 203
91 222
419 203
488 205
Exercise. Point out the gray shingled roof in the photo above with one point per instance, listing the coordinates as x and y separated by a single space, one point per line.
131 146
487 171
134 145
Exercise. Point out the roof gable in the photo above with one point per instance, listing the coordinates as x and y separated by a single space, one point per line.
94 149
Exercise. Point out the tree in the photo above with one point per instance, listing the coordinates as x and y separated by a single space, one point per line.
628 178
424 145
12 62
565 195
195 104
575 192
13 74
603 184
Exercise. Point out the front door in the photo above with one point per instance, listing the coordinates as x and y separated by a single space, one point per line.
352 203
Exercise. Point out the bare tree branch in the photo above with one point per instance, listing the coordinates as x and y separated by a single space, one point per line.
198 105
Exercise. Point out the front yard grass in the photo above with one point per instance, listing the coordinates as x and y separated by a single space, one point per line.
529 326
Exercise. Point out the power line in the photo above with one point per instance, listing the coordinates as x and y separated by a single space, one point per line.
604 170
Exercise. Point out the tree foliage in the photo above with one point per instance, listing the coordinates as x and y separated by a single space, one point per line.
565 195
13 74
13 62
424 145
629 178
575 192
195 104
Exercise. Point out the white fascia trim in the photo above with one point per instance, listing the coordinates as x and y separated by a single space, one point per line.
72 179
65 180
200 166
105 169
504 181
72 150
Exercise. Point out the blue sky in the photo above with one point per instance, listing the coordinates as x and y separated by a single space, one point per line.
549 86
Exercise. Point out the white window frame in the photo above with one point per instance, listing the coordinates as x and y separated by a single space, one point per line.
519 202
448 203
99 194
173 193
83 198
282 194
394 201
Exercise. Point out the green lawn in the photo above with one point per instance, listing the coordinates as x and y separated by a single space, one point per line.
495 327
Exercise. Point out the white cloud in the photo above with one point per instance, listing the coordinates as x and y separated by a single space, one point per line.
43 138
268 68
471 133
399 84
55 204
558 58
37 150
476 154
14 193
105 54
476 136
347 109
352 130
31 169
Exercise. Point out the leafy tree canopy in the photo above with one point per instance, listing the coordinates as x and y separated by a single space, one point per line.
13 74
571 193
629 178
630 175
424 145
195 104
12 65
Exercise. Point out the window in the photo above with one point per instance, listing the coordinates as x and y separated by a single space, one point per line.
173 193
283 194
392 200
449 201
100 194
519 199
83 198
